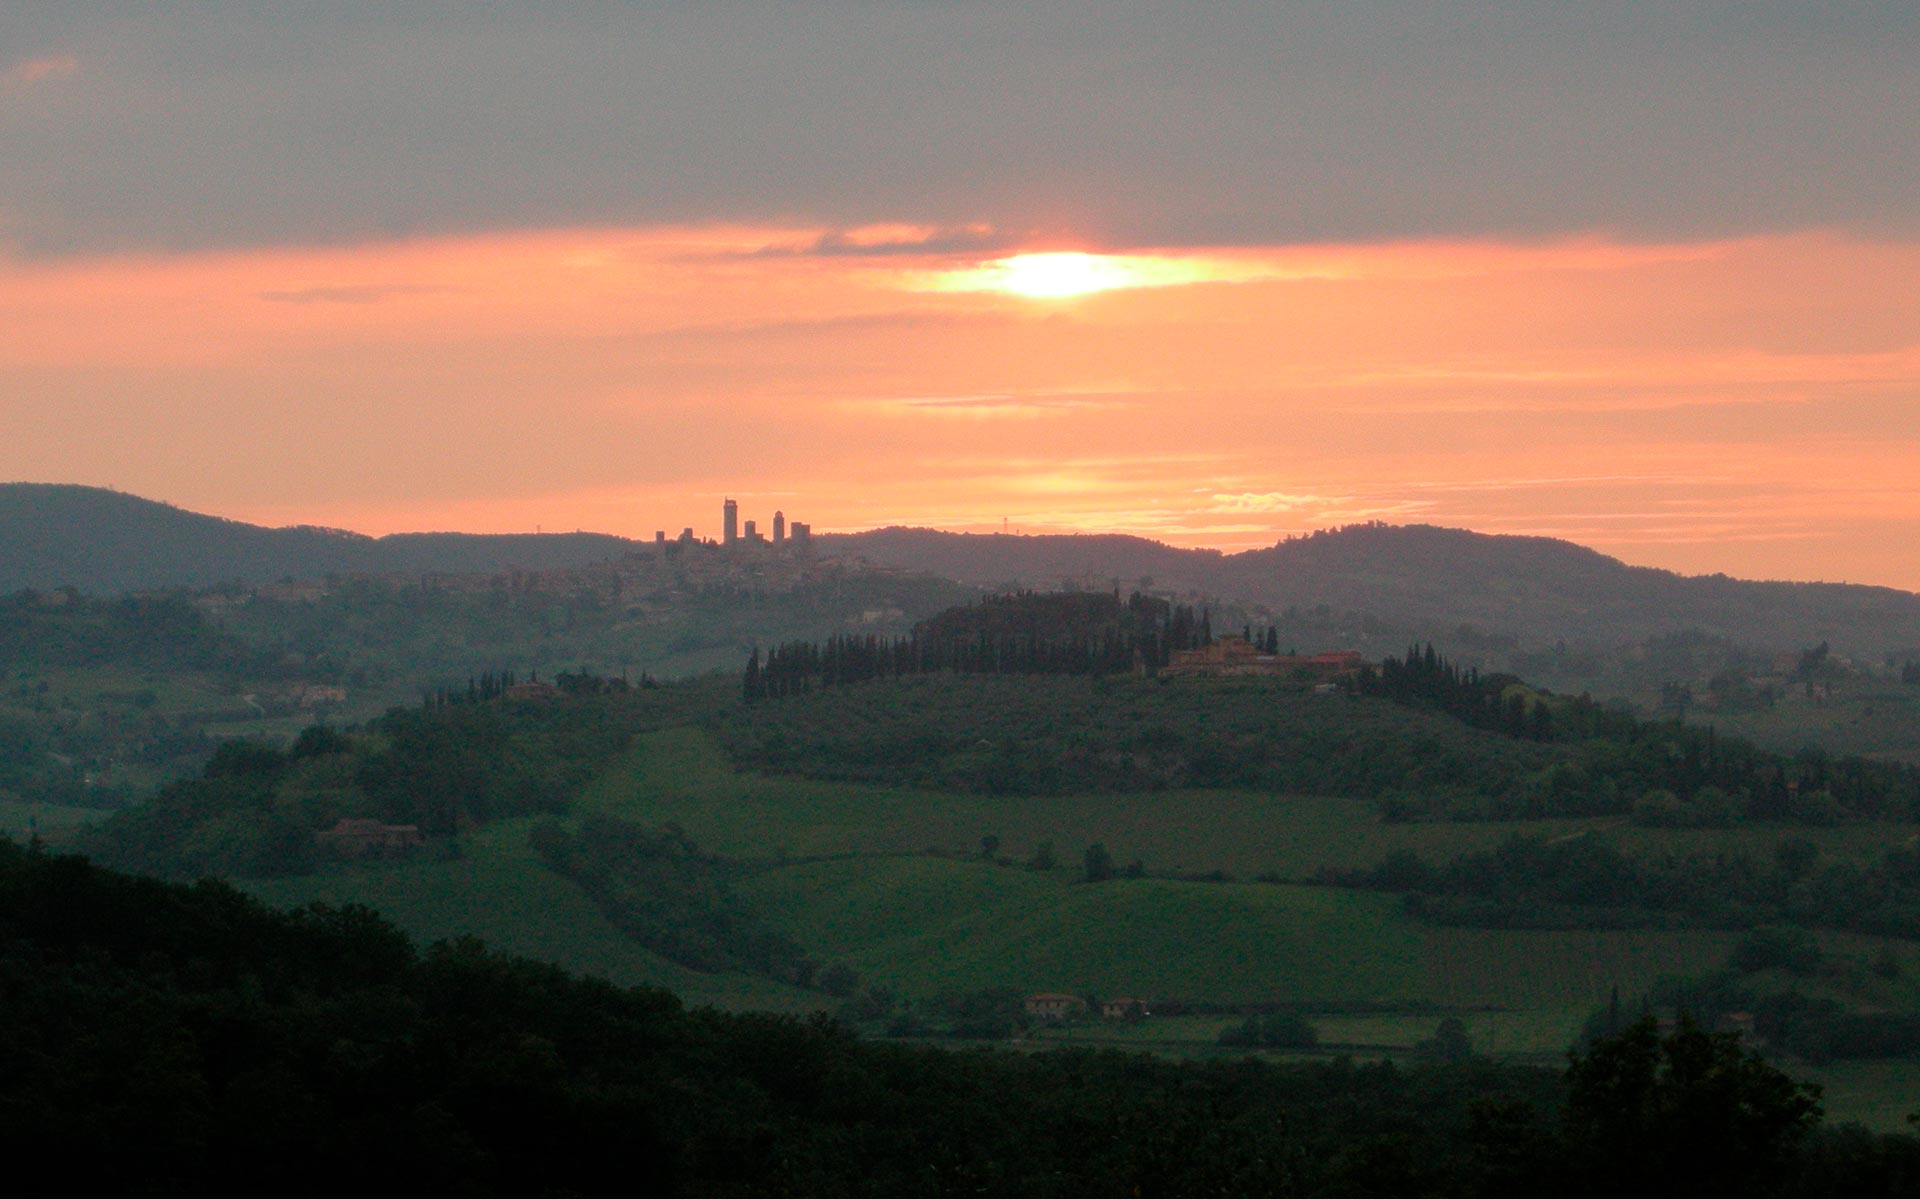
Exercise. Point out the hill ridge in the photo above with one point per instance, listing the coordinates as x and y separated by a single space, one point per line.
104 541
1530 588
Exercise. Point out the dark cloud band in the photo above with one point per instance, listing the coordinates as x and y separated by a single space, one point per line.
1120 121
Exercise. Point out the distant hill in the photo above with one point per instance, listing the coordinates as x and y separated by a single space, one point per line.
100 541
1541 589
1536 589
1041 562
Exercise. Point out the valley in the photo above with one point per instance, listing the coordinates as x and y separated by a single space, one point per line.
930 848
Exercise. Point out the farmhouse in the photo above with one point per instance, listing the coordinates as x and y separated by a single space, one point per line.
360 838
1233 657
534 690
1124 1007
315 694
1053 1005
291 592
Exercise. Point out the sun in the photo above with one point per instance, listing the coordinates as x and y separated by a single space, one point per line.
1059 274
1064 274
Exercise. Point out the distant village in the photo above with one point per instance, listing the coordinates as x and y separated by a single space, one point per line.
800 535
743 556
654 579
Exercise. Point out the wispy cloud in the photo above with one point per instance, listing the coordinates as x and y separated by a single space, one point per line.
1001 405
885 241
40 70
1272 501
370 293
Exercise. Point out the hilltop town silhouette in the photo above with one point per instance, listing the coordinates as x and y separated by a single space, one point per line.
798 535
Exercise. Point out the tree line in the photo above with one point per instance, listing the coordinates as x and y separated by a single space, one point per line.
458 759
1073 633
1500 703
1589 882
1661 771
661 889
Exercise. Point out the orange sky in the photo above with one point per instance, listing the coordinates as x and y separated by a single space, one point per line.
1742 405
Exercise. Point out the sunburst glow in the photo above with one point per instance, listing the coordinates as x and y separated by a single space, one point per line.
1053 276
1063 274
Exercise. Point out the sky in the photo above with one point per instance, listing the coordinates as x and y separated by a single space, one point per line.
1642 276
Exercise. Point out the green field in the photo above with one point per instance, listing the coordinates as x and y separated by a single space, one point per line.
923 925
1880 1095
848 877
683 775
500 892
921 922
20 819
121 728
1860 842
1538 1035
891 882
1875 717
1541 1033
1479 967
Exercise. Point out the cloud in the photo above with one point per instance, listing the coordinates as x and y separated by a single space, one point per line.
1273 501
1131 123
39 70
1002 405
360 294
645 371
892 241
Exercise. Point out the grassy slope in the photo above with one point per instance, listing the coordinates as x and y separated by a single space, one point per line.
925 924
1875 717
856 886
500 892
683 775
921 923
20 818
110 702
1880 1095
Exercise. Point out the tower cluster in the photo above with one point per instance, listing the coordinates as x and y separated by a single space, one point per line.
732 532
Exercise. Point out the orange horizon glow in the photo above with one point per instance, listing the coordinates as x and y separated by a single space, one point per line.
1740 405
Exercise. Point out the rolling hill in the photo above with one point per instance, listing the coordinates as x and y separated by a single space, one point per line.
100 541
1534 591
1541 589
1040 561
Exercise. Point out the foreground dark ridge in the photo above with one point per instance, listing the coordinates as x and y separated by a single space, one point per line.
185 1040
